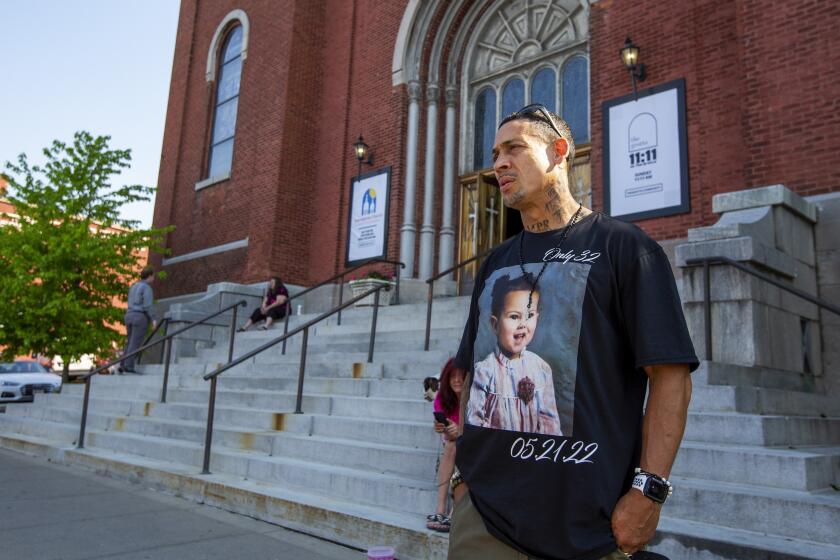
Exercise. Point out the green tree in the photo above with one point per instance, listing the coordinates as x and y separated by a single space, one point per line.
68 256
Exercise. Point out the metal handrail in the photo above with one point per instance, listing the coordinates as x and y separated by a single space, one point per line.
706 263
163 324
341 275
431 282
213 375
167 340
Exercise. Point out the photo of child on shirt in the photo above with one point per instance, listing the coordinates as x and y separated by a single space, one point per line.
513 388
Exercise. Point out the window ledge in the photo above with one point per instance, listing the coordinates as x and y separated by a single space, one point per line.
212 181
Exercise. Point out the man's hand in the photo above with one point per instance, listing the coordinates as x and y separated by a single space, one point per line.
634 521
635 516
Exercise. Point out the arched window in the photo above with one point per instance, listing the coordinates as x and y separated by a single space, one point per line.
485 127
513 97
544 89
227 99
576 98
526 52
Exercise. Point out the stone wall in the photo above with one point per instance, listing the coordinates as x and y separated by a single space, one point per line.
771 230
827 245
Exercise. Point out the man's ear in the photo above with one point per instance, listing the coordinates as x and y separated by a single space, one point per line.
561 148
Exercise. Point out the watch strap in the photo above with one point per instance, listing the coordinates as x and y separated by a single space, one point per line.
640 483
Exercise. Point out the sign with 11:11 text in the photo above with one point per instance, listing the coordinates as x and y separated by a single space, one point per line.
645 156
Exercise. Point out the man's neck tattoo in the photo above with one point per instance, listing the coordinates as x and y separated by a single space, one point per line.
563 236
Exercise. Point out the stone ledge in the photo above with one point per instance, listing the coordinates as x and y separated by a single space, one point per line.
772 195
744 249
203 184
739 223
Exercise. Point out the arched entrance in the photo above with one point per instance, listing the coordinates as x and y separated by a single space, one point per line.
520 53
487 58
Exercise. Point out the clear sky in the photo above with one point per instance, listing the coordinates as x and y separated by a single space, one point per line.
98 65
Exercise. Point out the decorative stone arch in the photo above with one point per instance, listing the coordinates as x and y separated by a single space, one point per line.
527 35
408 49
236 15
516 37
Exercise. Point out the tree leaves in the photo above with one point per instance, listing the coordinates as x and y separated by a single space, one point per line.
69 257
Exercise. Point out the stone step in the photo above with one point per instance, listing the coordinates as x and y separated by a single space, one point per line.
414 364
812 516
399 331
360 387
679 539
760 400
243 409
394 432
348 522
359 325
364 486
750 429
807 468
23 427
441 307
411 461
369 407
718 373
416 459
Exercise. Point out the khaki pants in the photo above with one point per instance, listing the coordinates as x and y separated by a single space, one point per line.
469 539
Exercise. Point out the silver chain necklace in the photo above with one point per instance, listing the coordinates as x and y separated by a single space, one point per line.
563 236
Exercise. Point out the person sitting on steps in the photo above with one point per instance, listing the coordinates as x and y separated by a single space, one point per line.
447 403
275 305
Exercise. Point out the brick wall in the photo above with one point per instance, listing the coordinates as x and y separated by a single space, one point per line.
762 83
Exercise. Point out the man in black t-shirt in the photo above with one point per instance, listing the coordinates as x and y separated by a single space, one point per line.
570 321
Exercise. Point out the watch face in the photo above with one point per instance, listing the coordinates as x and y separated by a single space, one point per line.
656 490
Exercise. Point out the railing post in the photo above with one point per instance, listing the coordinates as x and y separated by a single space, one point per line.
299 402
81 442
429 314
286 330
208 436
232 333
340 295
707 308
397 291
167 354
373 324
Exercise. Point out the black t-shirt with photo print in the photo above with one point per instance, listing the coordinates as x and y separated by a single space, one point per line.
553 404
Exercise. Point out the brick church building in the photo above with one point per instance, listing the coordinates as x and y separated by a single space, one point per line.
268 97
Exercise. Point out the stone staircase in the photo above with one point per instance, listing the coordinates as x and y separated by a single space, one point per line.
753 478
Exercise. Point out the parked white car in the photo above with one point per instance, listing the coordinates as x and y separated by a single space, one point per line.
20 380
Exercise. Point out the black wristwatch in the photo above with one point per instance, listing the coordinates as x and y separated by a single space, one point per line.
654 487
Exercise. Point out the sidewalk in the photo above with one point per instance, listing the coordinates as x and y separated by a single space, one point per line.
51 512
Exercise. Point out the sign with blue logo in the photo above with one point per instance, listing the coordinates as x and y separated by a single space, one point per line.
368 225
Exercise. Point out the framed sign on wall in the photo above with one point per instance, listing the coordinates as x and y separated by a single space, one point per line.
646 154
367 227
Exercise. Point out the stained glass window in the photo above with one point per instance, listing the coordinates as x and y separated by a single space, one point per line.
513 96
227 100
485 128
576 98
544 88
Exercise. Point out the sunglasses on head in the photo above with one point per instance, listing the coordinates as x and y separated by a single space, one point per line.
536 109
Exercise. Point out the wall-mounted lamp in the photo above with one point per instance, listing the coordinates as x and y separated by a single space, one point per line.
363 153
630 58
